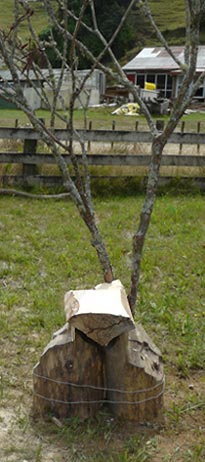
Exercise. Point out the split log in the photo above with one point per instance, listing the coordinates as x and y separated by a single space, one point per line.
100 356
102 313
69 378
134 376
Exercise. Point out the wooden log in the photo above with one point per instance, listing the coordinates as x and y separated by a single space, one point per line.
135 378
102 313
69 378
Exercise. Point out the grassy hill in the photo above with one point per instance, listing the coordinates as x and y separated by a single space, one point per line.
169 16
39 18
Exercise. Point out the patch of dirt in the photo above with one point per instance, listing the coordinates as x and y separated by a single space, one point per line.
181 438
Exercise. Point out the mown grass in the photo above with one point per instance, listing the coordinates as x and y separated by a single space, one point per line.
101 118
45 251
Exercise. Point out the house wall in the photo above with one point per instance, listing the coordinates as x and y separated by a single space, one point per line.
34 100
89 96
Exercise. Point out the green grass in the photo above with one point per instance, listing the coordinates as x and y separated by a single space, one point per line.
101 118
39 19
168 16
44 252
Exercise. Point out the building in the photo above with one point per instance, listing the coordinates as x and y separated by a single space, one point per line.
30 84
92 91
33 84
155 65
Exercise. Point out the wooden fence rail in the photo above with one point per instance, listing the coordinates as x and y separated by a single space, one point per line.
115 136
105 159
31 160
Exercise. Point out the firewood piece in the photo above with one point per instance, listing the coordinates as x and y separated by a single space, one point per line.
135 378
66 377
102 313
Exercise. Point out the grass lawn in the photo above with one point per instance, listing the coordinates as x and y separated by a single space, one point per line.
101 118
45 251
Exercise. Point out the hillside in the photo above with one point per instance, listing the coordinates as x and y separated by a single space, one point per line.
169 16
6 18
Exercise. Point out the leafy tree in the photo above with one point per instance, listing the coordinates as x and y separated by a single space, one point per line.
108 14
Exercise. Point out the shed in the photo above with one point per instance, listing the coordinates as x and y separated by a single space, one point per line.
32 84
28 81
155 65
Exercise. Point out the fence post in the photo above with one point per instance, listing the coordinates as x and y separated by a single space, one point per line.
198 131
89 128
113 128
136 129
182 131
160 125
29 149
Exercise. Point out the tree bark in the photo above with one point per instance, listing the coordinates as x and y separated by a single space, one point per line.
68 381
135 377
145 216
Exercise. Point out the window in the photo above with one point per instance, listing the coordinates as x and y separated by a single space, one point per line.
160 81
140 80
164 84
169 82
151 78
200 93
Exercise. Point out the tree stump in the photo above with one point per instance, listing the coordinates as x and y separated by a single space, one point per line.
100 356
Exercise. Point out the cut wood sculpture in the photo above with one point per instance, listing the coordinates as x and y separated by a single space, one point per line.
100 357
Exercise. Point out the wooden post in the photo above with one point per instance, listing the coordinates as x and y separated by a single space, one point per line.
136 129
160 125
89 142
29 149
113 128
198 131
182 131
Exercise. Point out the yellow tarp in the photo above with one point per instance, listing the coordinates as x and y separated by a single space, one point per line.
149 86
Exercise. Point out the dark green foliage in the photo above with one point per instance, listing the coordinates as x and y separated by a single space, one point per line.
109 15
